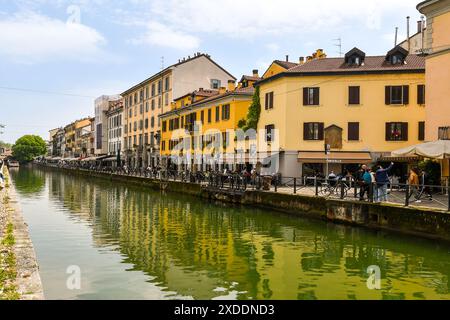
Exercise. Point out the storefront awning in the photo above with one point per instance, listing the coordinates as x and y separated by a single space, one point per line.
334 157
408 159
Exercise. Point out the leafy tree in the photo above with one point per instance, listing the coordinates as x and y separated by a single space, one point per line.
253 114
28 147
4 145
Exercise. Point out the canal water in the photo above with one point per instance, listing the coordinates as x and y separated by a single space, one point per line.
131 243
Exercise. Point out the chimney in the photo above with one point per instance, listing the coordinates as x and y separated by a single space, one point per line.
222 90
407 33
287 58
255 73
419 26
231 85
302 60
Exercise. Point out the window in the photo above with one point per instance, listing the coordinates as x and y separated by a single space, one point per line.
397 95
153 122
226 112
146 107
421 94
141 124
313 131
311 96
215 84
159 86
146 139
153 104
163 146
397 131
159 102
353 131
270 133
130 113
202 116
269 101
141 109
153 90
164 126
135 98
421 131
166 99
146 92
167 84
209 115
135 126
146 123
353 95
217 114
444 133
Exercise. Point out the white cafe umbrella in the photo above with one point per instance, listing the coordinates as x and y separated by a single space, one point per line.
435 150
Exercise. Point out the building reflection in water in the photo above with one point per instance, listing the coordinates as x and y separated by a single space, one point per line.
203 250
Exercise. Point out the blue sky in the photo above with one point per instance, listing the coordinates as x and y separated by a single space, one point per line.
57 56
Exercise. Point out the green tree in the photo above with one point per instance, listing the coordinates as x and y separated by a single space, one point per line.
28 147
253 113
4 145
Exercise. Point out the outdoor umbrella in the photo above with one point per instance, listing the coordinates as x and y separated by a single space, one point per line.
435 150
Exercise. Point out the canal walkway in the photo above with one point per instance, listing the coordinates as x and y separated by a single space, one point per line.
19 270
414 220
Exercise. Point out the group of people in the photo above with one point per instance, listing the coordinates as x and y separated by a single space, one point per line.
374 183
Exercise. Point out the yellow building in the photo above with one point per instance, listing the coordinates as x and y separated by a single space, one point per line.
437 47
73 137
203 123
363 107
145 101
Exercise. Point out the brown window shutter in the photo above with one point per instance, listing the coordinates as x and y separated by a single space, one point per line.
305 96
316 96
405 131
388 95
388 136
305 131
321 131
271 100
421 131
353 131
405 94
266 103
354 95
421 94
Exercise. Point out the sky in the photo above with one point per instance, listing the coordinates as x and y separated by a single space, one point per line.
57 56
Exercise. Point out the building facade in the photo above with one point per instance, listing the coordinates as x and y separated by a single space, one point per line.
437 49
144 102
200 127
360 108
114 117
102 105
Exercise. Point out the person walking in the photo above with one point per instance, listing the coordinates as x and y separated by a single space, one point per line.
413 182
382 180
363 185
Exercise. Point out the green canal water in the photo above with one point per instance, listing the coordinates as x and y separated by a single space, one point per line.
133 243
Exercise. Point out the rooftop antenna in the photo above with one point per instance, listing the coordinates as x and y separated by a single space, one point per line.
407 33
338 43
396 35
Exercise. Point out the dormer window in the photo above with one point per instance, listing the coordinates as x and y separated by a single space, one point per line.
397 55
355 57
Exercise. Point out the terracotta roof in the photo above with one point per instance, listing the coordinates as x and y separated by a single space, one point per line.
373 63
200 92
247 91
286 64
250 78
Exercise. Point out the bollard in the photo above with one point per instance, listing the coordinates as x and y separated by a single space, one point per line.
295 185
407 190
316 186
448 197
371 192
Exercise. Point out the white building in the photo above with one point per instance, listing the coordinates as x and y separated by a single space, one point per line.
114 117
102 105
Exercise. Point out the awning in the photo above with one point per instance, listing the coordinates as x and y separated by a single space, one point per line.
334 157
435 150
409 159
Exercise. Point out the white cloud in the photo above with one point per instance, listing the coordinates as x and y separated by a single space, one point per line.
247 19
28 37
158 34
